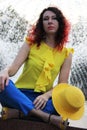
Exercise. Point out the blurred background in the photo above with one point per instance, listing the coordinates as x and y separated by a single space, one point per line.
17 16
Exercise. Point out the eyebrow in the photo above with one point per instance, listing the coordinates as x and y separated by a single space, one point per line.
48 16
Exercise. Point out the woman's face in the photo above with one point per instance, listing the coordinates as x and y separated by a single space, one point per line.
50 23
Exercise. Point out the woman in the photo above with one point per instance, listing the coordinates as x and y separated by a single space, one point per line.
44 56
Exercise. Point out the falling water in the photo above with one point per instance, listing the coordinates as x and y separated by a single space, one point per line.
13 29
78 76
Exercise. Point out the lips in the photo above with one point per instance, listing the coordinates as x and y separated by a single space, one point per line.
50 27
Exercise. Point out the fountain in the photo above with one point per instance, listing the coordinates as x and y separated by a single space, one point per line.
78 74
13 29
12 32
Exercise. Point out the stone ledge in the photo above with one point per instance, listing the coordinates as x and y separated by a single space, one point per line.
19 124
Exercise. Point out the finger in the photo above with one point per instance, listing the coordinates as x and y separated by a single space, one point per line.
43 105
35 101
2 84
38 105
7 82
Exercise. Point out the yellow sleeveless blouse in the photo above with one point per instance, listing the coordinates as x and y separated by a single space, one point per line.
42 67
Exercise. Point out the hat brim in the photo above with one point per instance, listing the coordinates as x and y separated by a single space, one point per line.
59 108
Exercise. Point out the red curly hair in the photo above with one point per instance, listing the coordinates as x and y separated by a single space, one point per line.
37 33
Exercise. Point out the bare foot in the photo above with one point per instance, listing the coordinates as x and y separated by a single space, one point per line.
52 119
57 121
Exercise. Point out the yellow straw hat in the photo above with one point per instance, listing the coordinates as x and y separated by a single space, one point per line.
68 101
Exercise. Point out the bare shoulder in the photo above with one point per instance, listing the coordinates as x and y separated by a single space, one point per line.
26 46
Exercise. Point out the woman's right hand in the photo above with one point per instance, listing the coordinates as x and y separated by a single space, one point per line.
4 79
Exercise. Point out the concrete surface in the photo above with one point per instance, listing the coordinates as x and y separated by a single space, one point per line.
82 123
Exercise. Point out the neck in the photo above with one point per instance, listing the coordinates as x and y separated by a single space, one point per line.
50 41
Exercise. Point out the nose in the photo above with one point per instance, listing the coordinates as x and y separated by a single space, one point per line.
50 21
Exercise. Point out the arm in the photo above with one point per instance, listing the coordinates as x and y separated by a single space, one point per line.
65 70
19 60
13 68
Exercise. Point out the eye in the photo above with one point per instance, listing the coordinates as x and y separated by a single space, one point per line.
55 18
45 18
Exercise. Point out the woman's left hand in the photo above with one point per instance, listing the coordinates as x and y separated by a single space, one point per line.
40 101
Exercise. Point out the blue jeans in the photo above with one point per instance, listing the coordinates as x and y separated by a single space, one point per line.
22 99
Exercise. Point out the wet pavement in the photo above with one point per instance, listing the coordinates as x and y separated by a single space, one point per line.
82 123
